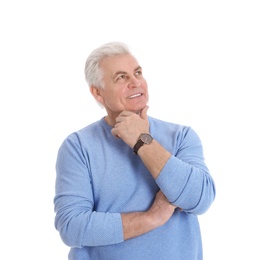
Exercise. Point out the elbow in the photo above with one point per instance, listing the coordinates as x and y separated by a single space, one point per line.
70 231
198 198
206 198
68 238
205 203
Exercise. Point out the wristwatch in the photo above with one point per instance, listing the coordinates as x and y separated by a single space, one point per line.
143 139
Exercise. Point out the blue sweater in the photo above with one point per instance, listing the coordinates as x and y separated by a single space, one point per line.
99 177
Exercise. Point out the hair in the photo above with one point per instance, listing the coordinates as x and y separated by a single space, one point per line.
93 72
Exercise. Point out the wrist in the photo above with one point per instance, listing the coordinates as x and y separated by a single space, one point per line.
137 223
144 138
151 219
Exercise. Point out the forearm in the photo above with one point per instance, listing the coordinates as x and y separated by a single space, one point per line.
139 223
187 186
78 229
136 224
154 156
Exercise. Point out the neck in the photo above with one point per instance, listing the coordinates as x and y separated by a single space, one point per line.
110 121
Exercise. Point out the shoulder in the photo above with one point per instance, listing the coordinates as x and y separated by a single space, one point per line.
84 134
158 124
163 130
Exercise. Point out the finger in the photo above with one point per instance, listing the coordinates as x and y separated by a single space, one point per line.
122 115
125 113
113 132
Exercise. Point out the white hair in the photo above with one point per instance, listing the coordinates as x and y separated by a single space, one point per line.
92 70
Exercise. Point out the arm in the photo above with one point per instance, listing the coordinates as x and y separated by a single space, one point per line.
138 223
155 157
128 127
183 177
76 220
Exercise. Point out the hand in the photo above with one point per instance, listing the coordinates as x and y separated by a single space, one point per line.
138 223
130 125
161 210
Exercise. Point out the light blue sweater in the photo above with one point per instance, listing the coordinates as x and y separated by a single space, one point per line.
99 177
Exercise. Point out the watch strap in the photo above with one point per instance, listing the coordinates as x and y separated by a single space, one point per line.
137 146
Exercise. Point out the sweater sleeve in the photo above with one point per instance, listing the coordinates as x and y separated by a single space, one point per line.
77 222
185 179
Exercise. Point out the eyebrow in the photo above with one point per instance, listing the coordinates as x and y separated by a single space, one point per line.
124 72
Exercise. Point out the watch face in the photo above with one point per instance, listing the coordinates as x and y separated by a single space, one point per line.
146 138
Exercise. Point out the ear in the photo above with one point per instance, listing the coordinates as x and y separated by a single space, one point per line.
96 92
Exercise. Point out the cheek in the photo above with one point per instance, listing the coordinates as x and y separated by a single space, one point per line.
112 100
144 84
145 87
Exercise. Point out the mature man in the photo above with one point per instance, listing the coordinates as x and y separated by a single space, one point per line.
130 186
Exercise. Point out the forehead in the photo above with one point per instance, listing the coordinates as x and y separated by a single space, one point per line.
124 62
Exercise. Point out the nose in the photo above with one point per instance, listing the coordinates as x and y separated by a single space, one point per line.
134 83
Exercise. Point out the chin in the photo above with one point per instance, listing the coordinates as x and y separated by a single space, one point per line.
137 111
137 108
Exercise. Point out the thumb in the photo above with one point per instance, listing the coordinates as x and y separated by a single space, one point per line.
143 113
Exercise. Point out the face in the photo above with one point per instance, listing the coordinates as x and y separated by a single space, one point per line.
124 85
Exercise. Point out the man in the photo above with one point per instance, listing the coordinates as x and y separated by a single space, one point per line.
130 186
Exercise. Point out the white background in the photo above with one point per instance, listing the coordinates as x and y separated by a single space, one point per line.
199 60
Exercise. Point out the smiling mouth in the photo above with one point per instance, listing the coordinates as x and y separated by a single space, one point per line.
134 96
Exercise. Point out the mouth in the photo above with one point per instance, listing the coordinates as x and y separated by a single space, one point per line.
135 96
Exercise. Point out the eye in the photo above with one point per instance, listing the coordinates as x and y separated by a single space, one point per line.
120 77
138 73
